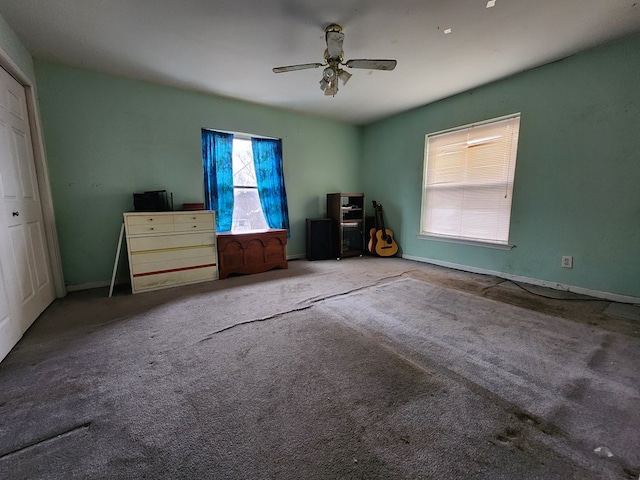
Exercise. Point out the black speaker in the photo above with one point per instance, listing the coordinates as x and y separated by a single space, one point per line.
319 239
155 201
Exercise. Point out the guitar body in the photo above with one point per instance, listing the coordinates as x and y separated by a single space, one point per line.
382 241
372 241
385 244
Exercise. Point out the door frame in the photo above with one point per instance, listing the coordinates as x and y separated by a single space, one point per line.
42 172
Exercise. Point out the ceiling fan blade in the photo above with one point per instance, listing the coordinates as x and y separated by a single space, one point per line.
291 68
334 43
372 64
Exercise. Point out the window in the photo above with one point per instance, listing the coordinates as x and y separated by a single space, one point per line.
247 210
244 181
468 182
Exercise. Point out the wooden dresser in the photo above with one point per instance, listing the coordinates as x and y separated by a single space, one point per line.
254 252
167 249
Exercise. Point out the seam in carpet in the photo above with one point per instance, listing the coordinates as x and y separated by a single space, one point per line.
255 320
36 443
364 287
306 307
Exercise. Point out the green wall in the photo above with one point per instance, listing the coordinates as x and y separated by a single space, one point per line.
12 46
577 185
107 137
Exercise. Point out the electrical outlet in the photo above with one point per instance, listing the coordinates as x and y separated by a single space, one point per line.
567 262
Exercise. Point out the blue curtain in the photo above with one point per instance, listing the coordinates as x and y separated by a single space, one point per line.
267 158
217 159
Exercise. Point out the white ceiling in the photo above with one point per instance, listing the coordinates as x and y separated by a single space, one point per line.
228 47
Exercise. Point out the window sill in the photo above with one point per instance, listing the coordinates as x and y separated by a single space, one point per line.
464 241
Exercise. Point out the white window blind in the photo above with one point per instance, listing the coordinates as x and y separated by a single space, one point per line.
468 181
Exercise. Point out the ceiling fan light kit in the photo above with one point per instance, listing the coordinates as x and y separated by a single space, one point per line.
334 58
344 76
329 74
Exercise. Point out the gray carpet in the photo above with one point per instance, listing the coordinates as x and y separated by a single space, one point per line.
363 368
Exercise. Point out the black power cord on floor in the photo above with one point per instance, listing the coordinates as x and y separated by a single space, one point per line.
559 298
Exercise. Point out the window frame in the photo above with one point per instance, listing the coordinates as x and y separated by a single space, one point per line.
245 138
424 234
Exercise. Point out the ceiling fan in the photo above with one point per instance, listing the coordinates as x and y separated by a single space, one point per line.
334 58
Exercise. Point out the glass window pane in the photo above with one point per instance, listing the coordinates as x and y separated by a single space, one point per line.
247 211
244 173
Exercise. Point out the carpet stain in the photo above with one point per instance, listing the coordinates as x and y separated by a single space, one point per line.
544 426
578 389
511 437
520 427
598 357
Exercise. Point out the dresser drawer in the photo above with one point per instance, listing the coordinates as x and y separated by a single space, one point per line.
143 260
154 263
170 279
171 242
195 217
149 224
150 228
192 227
194 222
148 219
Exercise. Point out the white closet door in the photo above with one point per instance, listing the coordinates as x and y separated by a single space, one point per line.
9 329
26 268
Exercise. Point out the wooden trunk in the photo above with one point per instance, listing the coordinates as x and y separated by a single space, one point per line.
252 252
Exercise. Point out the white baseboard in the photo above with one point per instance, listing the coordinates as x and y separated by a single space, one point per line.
532 281
89 285
297 256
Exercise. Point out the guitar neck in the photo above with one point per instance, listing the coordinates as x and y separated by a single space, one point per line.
375 214
382 227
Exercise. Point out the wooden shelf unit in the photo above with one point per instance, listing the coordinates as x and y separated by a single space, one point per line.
346 211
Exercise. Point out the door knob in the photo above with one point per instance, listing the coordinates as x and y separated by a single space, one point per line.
16 214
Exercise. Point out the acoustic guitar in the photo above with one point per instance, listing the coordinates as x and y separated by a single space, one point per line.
371 246
385 245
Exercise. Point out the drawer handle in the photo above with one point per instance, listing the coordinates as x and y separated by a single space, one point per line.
151 228
195 226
